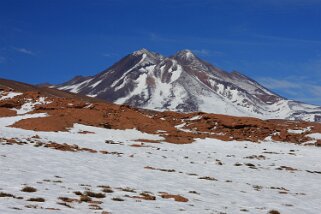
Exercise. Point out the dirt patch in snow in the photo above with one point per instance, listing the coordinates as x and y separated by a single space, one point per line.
145 196
5 112
177 198
67 147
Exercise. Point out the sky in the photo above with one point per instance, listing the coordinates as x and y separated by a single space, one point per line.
275 42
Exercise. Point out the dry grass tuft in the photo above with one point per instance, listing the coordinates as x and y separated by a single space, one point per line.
3 194
37 199
274 212
95 195
117 199
85 198
28 189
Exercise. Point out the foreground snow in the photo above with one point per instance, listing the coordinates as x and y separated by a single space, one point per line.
215 176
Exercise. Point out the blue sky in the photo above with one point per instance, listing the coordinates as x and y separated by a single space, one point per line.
276 42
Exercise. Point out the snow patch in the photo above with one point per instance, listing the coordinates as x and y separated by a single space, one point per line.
316 136
299 131
76 87
30 105
96 84
9 95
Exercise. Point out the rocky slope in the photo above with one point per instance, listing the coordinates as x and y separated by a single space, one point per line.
64 111
185 83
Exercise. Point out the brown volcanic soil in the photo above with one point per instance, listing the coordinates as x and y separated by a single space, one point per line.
4 112
177 198
64 112
63 115
9 85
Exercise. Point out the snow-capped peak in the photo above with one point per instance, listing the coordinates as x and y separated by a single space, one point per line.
185 55
184 82
147 55
142 51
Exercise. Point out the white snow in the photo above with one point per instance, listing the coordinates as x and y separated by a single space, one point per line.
96 84
175 73
316 136
76 87
181 127
128 71
30 105
7 121
9 95
197 117
92 95
57 173
299 131
140 86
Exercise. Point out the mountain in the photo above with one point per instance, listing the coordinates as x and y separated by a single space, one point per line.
185 83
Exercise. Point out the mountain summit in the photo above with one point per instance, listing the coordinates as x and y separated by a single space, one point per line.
183 82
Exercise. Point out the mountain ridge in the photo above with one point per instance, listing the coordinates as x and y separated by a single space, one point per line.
185 83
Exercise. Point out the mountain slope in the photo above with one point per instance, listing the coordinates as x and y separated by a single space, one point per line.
186 83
